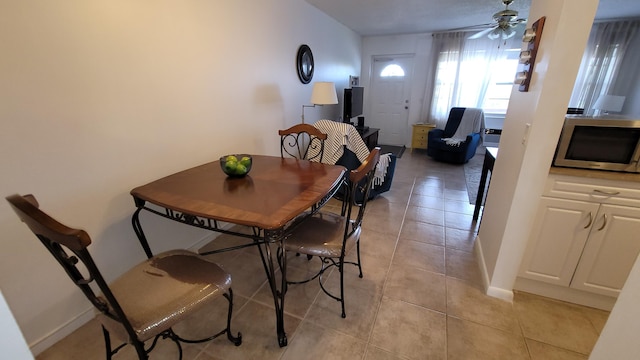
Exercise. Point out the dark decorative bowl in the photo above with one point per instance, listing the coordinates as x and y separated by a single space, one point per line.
236 165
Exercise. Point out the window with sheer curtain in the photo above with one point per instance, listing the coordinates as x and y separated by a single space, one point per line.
480 72
471 73
598 74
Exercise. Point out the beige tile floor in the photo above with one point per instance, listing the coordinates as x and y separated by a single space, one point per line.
420 298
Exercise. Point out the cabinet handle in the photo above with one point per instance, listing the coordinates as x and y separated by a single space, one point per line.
590 220
609 193
604 222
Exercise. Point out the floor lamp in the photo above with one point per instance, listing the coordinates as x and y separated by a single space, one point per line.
323 93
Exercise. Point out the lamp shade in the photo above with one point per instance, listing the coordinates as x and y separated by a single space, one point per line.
608 103
324 93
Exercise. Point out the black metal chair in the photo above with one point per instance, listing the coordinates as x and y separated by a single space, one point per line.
179 282
302 141
331 236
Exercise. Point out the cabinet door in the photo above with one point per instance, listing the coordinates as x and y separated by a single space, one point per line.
559 234
610 252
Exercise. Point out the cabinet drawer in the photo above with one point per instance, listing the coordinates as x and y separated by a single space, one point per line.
594 190
419 144
419 137
421 129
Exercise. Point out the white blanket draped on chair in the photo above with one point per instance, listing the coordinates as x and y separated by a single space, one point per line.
340 135
472 122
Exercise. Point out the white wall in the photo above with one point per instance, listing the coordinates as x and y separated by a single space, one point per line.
521 168
12 343
97 97
619 338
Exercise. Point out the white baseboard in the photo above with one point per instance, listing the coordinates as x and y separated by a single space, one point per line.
484 274
61 332
204 240
564 293
504 294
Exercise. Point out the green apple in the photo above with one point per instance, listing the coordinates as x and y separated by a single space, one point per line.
246 161
231 166
241 169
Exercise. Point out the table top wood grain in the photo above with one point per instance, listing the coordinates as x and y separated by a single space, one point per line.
274 192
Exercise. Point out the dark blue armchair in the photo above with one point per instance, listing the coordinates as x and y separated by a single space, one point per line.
458 141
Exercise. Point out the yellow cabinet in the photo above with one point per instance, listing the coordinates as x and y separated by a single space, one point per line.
419 136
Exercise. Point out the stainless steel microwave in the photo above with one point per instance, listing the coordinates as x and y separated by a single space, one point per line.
602 143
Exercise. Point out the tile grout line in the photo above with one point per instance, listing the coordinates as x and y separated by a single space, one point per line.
384 284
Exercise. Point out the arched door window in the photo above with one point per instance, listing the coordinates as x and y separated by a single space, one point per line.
392 70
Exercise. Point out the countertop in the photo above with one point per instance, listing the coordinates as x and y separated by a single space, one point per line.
595 174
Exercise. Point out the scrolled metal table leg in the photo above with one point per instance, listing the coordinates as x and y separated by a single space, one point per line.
137 228
275 237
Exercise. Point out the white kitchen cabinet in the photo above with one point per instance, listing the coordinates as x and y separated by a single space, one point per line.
610 252
559 235
585 237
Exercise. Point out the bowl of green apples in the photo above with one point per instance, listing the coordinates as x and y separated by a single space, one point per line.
236 165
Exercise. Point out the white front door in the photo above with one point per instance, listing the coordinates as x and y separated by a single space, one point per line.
390 94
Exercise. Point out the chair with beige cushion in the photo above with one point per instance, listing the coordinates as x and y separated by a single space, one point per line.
144 302
302 141
330 236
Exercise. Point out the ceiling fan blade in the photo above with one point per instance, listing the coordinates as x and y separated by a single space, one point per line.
477 27
480 34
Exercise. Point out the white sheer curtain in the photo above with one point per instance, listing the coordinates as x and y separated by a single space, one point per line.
448 49
462 72
606 47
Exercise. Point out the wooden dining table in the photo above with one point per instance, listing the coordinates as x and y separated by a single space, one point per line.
276 191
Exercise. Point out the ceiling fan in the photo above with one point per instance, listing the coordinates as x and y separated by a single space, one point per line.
504 28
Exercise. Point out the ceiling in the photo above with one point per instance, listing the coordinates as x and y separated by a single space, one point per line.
389 17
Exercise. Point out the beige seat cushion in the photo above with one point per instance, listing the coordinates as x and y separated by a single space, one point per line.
159 292
320 235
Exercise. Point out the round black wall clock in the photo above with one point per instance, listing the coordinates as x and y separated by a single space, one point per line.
304 64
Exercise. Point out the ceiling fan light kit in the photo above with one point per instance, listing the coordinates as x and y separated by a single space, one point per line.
528 56
506 21
500 33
